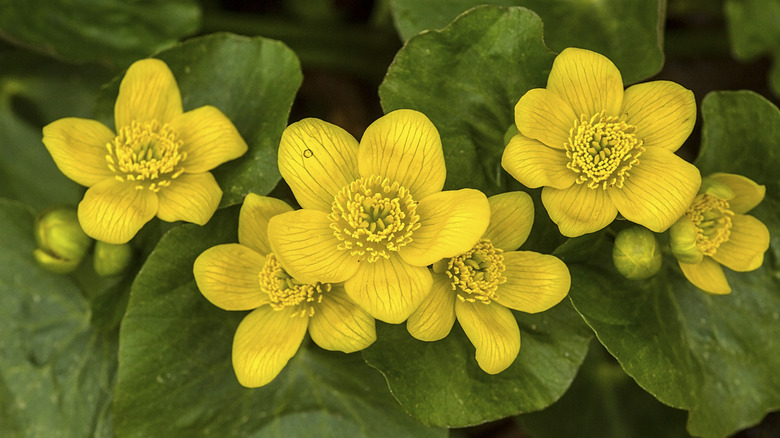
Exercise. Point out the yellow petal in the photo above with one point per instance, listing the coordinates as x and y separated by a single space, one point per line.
542 115
305 245
338 324
707 275
253 220
78 147
265 341
389 289
434 318
404 146
192 197
534 282
579 209
493 330
113 211
227 275
744 251
587 81
317 159
511 219
661 187
147 92
451 223
663 112
536 165
747 194
208 137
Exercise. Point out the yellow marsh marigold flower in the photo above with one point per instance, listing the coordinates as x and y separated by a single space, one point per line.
157 162
715 231
479 286
599 150
247 276
374 215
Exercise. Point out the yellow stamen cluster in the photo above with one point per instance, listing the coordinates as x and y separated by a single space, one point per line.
285 291
712 217
372 217
147 154
602 150
476 274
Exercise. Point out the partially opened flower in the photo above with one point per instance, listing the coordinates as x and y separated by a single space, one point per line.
156 164
479 286
599 150
248 276
374 215
716 231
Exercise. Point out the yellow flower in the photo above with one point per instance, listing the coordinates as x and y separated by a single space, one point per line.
156 164
599 150
715 231
247 275
479 286
374 215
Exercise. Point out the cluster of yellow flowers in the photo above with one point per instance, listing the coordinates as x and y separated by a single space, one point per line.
376 237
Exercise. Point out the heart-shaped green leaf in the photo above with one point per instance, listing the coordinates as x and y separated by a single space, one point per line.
111 32
629 32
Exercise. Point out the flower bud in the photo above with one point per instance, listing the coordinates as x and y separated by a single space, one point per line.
62 244
682 239
111 259
636 254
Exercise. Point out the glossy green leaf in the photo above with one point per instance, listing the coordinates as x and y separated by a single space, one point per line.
467 79
630 33
441 384
604 402
111 32
57 355
176 378
754 31
35 91
715 356
253 81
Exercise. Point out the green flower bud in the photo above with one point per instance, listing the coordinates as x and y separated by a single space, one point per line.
682 239
636 254
111 259
62 244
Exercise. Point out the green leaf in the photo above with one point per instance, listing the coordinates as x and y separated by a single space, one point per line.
33 92
441 384
467 79
176 378
754 31
253 81
604 402
715 356
57 368
111 32
630 33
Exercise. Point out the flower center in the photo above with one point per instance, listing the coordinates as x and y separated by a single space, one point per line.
372 217
476 274
147 154
602 150
712 217
285 291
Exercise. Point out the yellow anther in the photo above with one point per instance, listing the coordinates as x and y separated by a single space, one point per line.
284 291
712 217
475 275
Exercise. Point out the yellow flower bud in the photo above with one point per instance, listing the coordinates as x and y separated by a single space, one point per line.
682 239
111 259
62 244
636 254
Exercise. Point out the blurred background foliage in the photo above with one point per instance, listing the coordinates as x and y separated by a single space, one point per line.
56 54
